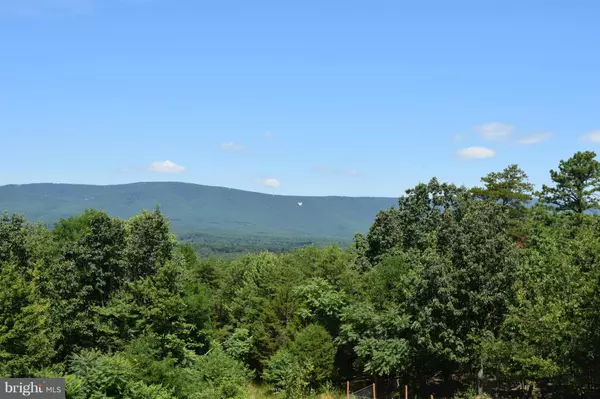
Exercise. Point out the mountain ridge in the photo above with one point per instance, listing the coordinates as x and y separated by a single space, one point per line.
196 208
187 183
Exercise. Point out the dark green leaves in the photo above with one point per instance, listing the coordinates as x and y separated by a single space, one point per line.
577 184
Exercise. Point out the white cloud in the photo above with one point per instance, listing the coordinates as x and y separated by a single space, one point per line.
475 153
534 138
593 136
351 172
231 147
458 137
270 182
166 167
268 134
494 130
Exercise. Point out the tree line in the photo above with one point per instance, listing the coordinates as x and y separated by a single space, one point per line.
230 246
486 290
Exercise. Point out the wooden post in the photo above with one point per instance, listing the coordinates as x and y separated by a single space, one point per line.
406 392
347 389
431 396
374 395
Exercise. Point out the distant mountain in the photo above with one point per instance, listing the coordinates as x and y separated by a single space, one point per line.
196 208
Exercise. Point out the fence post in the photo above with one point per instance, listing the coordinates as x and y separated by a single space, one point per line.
347 389
406 392
374 394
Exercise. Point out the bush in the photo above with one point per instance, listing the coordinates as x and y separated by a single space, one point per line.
314 347
287 374
139 372
470 394
95 375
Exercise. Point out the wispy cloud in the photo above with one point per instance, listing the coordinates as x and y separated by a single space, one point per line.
593 136
166 167
270 182
458 137
37 8
324 169
494 130
32 8
475 153
134 168
231 147
534 138
268 135
321 169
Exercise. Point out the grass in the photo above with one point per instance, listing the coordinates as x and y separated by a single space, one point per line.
263 392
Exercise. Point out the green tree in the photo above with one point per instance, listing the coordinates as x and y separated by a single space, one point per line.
314 348
239 345
88 270
456 265
153 305
288 374
378 337
320 302
27 339
577 184
149 243
14 233
257 293
410 225
549 334
510 187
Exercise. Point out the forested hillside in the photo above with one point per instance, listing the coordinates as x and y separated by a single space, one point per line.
194 208
228 246
451 291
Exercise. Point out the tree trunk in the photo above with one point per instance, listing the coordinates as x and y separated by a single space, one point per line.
530 391
480 380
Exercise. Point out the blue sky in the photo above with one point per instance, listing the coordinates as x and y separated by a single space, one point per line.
311 97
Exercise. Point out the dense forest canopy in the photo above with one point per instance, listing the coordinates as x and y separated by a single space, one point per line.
452 291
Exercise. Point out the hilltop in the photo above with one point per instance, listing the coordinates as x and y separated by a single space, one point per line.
194 208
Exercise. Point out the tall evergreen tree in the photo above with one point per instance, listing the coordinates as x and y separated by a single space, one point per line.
511 187
577 184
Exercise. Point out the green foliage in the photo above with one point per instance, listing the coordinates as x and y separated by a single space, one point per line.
140 370
546 332
376 337
470 394
510 187
577 182
438 288
96 376
239 344
13 238
225 375
26 337
288 374
149 244
320 303
314 349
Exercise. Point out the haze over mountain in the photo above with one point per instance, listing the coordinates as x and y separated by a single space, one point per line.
196 208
